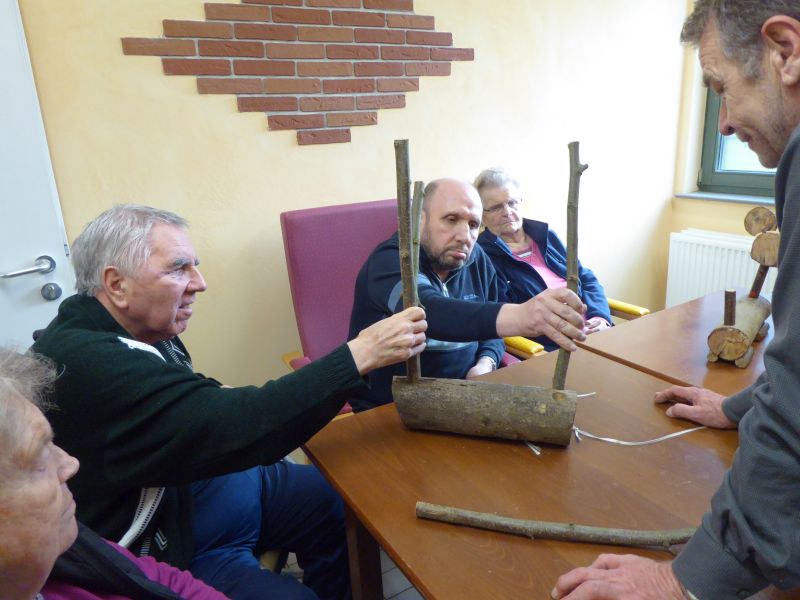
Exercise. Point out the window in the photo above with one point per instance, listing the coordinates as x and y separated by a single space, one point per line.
727 164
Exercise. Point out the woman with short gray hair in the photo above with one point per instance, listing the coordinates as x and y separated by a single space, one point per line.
528 256
37 511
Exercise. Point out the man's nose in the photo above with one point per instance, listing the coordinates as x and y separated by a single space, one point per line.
197 283
462 232
725 127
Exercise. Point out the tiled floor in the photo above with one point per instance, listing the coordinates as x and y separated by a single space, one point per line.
395 584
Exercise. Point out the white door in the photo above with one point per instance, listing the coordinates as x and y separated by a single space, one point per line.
31 225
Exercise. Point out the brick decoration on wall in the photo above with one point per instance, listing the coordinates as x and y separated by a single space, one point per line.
319 67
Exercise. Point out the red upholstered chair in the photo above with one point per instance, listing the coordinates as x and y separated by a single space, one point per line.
325 249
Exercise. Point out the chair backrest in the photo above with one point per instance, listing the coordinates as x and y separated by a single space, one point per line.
325 249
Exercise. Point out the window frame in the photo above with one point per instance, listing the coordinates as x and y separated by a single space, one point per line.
711 179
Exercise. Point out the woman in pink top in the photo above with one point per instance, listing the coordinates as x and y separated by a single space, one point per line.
527 255
37 512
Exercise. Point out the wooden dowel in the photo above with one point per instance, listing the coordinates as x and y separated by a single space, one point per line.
567 532
730 308
576 169
404 239
416 217
758 281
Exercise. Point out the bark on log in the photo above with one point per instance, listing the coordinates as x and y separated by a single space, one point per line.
732 342
486 409
765 248
576 169
760 219
568 532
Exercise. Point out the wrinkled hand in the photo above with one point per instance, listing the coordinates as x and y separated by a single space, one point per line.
556 313
620 577
390 340
696 404
595 324
483 366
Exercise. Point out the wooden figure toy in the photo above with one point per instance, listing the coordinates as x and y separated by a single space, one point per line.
745 320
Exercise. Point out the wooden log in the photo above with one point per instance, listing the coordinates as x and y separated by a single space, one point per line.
576 169
732 342
486 409
568 532
745 359
765 248
760 219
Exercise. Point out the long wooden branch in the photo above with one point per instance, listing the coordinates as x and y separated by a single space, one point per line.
404 239
567 532
576 169
416 217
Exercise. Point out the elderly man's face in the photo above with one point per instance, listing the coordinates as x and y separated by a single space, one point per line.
755 109
37 512
450 225
501 209
160 295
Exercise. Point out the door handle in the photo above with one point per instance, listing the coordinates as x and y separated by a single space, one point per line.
44 264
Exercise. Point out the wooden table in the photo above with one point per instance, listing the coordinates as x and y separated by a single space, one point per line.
673 344
382 469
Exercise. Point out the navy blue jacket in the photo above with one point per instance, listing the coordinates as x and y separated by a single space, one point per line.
461 314
520 282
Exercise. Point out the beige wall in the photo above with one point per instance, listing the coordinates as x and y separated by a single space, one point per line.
545 73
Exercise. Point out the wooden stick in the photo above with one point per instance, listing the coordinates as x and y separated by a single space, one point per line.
567 532
576 169
404 240
758 281
416 217
730 308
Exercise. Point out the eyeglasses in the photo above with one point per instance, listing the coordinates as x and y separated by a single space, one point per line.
511 204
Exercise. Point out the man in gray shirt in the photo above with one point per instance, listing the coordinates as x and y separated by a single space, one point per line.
750 55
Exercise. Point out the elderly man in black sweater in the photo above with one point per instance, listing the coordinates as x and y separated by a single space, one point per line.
172 460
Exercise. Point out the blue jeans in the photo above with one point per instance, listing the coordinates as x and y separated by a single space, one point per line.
237 517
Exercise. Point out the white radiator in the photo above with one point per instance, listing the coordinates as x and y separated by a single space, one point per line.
702 261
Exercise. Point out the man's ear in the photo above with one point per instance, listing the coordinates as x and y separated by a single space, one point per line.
116 286
781 34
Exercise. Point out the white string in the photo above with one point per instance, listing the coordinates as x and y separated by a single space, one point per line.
536 450
580 432
586 395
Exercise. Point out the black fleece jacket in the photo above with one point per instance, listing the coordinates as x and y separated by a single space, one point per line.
136 421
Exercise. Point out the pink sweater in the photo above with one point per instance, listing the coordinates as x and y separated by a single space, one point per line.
180 582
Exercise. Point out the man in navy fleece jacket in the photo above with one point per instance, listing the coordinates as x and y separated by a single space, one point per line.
458 288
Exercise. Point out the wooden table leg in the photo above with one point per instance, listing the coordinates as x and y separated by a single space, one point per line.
365 560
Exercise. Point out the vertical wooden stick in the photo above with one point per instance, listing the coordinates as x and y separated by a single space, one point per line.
758 281
404 233
730 308
576 169
416 218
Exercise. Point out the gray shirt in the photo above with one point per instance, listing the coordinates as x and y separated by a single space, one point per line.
750 537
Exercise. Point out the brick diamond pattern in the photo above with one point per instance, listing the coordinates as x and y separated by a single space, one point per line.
319 67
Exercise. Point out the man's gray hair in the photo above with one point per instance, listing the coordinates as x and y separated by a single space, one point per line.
28 376
494 177
119 238
739 24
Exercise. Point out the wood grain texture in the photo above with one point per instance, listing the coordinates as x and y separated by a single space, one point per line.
382 469
672 344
